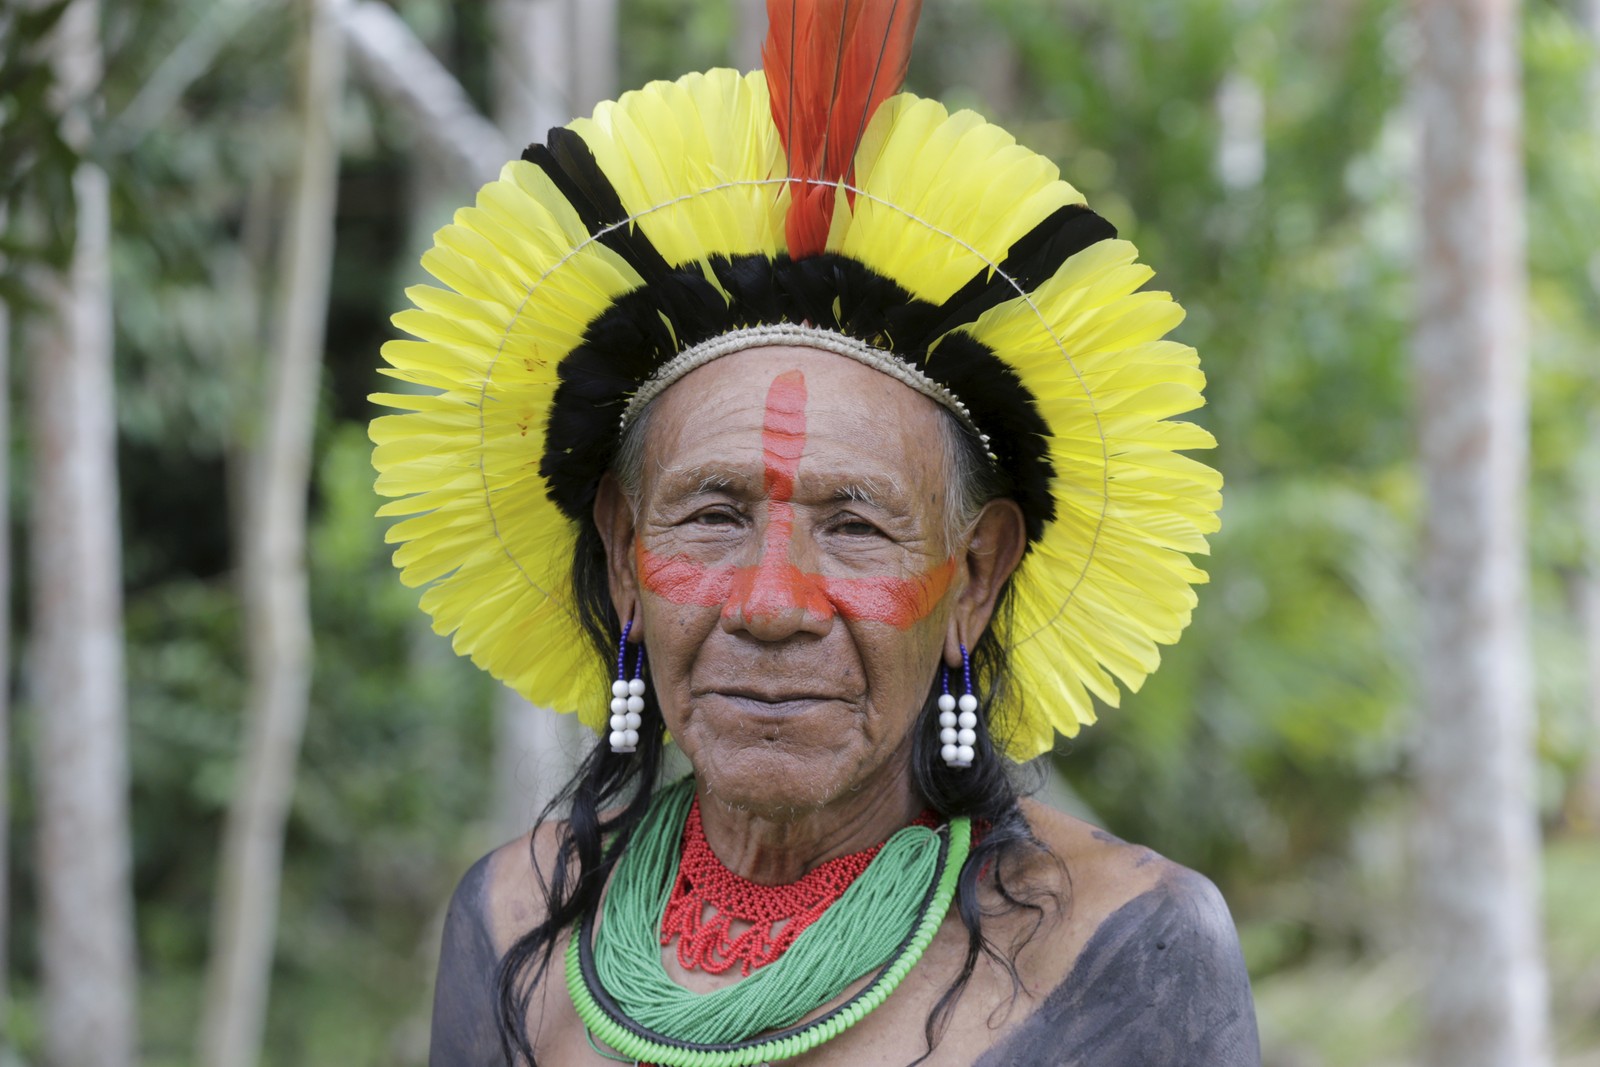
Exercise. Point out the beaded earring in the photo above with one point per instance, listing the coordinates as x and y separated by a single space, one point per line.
958 733
627 698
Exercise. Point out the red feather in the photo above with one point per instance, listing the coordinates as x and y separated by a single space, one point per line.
829 64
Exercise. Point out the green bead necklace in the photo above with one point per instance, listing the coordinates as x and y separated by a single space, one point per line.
883 922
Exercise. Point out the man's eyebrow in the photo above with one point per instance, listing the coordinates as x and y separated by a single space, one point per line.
875 491
700 478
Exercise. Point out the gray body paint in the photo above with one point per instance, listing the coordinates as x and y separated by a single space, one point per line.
1160 984
464 996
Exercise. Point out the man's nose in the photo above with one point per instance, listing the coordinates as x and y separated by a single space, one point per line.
774 599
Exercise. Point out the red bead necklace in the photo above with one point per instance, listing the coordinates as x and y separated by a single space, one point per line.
707 899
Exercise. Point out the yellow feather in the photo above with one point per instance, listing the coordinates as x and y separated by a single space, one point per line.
923 175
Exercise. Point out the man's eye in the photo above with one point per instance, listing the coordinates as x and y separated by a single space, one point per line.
855 528
713 518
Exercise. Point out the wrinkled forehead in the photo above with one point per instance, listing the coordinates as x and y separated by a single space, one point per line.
801 413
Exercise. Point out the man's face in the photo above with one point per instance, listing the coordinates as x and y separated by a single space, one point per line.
794 578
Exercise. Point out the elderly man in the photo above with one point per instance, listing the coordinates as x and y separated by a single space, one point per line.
859 498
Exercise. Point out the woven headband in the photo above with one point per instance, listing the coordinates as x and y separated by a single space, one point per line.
783 334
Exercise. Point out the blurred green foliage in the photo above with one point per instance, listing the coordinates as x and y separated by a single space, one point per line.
38 157
1271 749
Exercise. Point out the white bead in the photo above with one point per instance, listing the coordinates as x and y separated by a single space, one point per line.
636 687
947 702
948 718
964 755
633 739
968 702
635 704
619 722
948 736
619 705
632 721
949 752
619 688
619 740
966 737
967 720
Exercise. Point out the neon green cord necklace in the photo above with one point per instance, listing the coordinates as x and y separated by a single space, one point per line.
883 922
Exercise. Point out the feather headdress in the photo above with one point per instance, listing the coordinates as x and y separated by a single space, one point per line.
687 210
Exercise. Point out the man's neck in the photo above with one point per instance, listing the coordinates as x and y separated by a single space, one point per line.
776 849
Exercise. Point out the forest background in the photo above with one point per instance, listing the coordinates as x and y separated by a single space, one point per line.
1261 153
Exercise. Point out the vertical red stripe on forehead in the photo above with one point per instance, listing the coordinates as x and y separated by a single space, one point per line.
783 435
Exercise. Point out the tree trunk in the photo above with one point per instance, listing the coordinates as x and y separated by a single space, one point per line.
86 940
1486 1003
276 601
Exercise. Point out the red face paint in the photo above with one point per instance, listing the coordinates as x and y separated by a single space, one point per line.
783 436
774 586
896 601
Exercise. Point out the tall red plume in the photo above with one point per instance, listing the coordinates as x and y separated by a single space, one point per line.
829 64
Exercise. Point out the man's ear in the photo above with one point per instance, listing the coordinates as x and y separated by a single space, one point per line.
613 518
991 553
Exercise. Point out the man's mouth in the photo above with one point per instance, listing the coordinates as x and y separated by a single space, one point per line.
769 703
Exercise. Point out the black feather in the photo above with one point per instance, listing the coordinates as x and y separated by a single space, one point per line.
571 165
1031 260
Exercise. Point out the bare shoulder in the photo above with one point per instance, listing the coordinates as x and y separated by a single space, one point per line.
513 900
496 902
1156 978
1101 872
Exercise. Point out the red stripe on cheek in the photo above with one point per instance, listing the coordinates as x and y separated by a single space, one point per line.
900 602
681 580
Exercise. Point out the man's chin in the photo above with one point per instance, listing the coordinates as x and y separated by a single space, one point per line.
771 779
